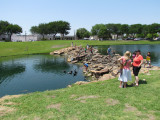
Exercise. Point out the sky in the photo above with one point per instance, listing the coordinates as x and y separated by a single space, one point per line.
79 13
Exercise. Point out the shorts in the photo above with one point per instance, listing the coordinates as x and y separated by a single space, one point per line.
109 53
136 70
148 62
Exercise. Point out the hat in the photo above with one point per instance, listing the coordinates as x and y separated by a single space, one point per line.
127 54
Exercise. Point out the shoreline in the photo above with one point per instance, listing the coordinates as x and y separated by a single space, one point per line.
113 73
101 67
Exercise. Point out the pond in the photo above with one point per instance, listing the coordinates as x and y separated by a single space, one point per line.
25 74
120 49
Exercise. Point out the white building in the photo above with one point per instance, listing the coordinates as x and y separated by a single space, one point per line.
24 38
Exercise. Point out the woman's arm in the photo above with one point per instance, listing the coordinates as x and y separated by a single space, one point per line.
141 63
120 59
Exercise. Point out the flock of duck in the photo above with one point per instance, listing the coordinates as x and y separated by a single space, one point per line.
71 72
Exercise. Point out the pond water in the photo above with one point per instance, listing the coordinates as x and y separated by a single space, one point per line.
25 74
121 49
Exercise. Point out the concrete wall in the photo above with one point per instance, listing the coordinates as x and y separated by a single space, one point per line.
4 37
24 38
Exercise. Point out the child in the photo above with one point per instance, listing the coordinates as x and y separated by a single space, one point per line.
85 50
91 49
133 55
148 59
86 66
126 73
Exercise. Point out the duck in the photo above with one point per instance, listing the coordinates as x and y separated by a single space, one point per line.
75 73
64 71
70 72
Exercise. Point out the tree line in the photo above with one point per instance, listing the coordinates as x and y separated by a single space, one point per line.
105 31
7 28
52 28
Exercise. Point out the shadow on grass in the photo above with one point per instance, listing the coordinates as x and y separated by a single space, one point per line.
140 82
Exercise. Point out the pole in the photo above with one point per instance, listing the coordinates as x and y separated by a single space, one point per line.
25 35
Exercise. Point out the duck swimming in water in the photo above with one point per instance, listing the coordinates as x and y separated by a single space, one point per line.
70 72
75 73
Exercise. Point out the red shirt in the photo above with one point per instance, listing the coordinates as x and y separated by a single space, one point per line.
137 60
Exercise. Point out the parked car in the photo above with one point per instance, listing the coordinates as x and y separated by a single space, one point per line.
119 39
85 38
136 39
129 39
147 38
158 38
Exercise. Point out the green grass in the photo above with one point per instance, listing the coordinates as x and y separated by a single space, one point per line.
132 103
20 48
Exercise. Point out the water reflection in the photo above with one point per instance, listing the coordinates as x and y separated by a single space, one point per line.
36 73
54 65
10 70
120 49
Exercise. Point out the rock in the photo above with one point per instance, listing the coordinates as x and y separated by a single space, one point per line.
115 72
75 61
81 83
89 74
69 59
69 86
106 77
154 68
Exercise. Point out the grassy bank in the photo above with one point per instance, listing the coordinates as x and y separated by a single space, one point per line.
17 48
95 101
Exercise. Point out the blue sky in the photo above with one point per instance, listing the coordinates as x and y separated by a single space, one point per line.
79 13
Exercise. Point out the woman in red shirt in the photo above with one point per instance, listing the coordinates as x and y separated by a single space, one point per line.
137 62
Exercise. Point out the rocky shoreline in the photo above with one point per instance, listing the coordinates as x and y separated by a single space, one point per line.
101 67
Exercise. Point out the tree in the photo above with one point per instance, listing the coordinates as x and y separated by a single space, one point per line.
43 29
135 29
103 33
82 33
145 30
110 28
124 29
53 28
34 29
117 29
154 28
63 27
13 29
3 27
96 28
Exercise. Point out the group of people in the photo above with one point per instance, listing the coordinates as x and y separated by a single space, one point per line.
136 62
89 48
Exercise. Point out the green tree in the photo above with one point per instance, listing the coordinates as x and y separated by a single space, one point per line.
135 29
104 33
63 28
124 29
3 27
53 28
145 30
34 29
13 29
43 29
82 33
96 28
152 35
154 28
